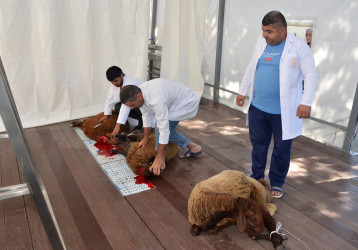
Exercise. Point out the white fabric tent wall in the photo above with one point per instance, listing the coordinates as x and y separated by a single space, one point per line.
55 53
335 48
180 32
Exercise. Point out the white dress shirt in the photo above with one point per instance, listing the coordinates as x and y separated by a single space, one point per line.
167 101
296 64
113 98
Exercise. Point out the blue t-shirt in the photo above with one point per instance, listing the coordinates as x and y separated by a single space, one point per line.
267 80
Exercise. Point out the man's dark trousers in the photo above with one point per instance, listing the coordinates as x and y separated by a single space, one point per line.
262 126
134 113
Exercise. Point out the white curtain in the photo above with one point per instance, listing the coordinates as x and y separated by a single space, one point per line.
334 46
182 42
55 53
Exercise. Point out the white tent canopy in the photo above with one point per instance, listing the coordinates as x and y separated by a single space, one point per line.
55 53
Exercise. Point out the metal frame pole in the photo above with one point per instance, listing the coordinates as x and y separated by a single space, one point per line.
12 122
352 124
154 18
152 34
219 45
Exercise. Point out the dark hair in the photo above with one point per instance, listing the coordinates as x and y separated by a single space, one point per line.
129 93
274 18
113 72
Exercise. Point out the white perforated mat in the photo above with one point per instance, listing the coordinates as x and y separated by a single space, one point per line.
116 168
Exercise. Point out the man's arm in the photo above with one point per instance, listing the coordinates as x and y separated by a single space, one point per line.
308 69
122 118
144 141
109 102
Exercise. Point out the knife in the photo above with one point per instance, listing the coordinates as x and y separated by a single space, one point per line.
99 124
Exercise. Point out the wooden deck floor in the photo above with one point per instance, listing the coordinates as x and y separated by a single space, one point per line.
319 206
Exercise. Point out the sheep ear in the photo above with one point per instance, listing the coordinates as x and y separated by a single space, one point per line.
241 219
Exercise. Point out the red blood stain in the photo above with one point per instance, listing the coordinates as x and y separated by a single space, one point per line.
142 180
105 148
103 139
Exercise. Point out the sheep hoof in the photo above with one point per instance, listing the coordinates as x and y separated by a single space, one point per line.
195 230
284 241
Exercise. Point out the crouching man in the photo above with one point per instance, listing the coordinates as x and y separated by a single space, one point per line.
118 79
170 102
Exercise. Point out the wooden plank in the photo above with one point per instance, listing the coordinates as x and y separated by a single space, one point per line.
237 155
323 207
311 218
61 209
168 225
348 232
232 117
313 234
2 216
300 152
86 223
37 232
318 206
119 221
16 225
176 184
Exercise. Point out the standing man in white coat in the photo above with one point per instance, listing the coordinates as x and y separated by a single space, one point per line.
278 103
170 102
118 79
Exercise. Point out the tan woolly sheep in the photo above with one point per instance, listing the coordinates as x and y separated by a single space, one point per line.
142 158
232 198
104 130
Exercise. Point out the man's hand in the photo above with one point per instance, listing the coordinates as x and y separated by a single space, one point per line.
116 130
143 142
240 100
103 118
159 161
303 111
158 164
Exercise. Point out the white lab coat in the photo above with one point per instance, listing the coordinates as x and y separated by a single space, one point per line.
167 101
296 64
113 98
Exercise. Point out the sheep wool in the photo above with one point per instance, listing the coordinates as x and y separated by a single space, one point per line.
105 129
230 184
141 158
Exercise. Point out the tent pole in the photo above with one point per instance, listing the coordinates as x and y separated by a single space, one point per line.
154 20
352 124
152 36
219 46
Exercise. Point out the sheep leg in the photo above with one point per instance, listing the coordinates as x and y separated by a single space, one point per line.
195 230
221 227
277 239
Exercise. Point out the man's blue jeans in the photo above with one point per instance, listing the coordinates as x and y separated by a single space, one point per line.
262 126
174 137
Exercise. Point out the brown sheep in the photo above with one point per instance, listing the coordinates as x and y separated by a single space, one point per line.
104 130
139 160
232 198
